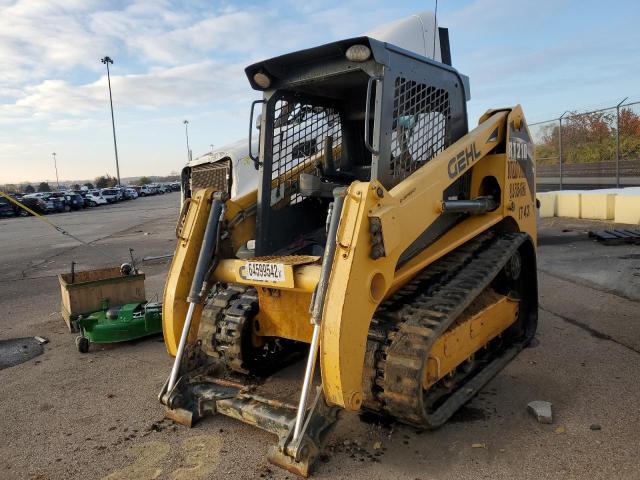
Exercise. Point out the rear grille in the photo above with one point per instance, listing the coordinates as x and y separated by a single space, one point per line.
421 114
216 175
299 132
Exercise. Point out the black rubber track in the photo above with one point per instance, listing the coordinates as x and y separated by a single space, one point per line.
407 325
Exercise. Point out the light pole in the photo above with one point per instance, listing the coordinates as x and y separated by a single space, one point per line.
186 132
55 165
560 145
107 61
618 141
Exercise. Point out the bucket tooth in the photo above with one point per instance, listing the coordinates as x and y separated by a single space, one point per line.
282 460
180 415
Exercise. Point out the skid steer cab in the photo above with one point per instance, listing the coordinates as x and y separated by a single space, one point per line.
385 248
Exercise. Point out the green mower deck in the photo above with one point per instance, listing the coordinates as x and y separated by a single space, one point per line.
119 324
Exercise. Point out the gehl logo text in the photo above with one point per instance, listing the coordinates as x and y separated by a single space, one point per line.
462 160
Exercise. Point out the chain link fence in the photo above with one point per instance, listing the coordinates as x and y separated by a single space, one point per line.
596 149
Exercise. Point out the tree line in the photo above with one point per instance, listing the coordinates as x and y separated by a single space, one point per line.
590 138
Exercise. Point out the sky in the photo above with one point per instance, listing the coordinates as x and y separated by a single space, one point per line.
184 60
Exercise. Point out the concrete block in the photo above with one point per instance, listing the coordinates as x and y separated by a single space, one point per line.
627 209
547 204
541 410
596 206
568 204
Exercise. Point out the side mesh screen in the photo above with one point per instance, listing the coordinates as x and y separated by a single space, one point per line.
421 115
216 175
299 133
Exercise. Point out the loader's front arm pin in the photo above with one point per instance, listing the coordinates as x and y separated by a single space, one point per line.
318 305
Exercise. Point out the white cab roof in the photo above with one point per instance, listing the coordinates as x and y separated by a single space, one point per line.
415 33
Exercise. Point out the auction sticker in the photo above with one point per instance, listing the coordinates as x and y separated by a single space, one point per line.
264 272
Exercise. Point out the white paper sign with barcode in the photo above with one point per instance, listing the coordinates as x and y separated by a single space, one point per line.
264 272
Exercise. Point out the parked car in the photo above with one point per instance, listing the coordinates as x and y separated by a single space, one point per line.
109 194
74 201
83 194
7 208
95 199
60 203
34 203
130 193
54 204
146 190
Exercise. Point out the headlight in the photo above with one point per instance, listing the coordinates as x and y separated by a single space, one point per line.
358 53
262 79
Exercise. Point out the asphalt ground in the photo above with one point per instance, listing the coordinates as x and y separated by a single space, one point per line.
67 415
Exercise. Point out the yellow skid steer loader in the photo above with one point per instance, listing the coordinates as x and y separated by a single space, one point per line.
385 243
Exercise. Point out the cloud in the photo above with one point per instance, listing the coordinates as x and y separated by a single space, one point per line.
181 86
223 35
184 56
172 61
38 38
176 60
